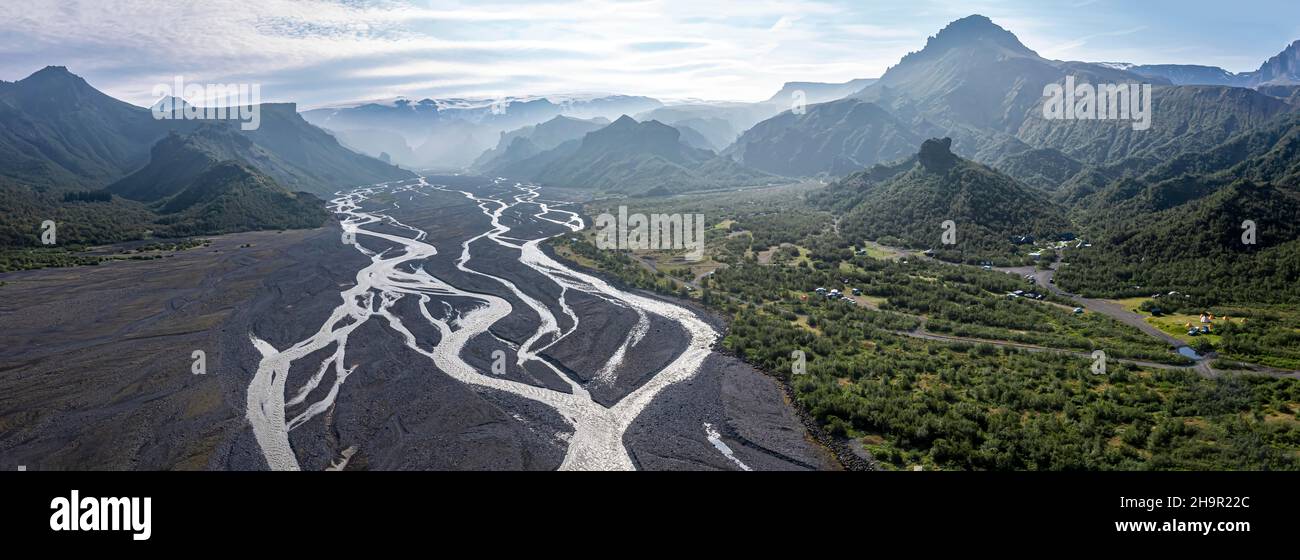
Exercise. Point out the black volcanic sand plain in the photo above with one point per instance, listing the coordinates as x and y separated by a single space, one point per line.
95 361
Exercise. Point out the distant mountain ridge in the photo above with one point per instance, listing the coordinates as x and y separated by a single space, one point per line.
819 92
634 158
451 134
531 140
1280 69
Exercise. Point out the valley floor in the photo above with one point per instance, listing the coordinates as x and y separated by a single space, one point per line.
98 371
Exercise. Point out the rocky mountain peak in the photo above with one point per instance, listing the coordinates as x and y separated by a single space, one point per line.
936 154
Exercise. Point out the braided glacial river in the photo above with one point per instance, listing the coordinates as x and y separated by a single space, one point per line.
596 442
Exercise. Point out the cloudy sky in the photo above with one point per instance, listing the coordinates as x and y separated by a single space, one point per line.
318 52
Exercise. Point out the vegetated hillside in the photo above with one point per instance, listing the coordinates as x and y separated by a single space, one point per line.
1197 248
205 178
177 159
1045 168
986 207
1179 227
230 196
1267 155
1184 119
79 222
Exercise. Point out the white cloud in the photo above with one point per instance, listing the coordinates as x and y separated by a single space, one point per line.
319 51
293 46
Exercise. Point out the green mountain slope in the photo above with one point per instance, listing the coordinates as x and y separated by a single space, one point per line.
202 184
1185 119
907 203
1197 248
229 196
1179 226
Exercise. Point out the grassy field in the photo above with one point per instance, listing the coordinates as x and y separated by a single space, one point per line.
878 251
1267 335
